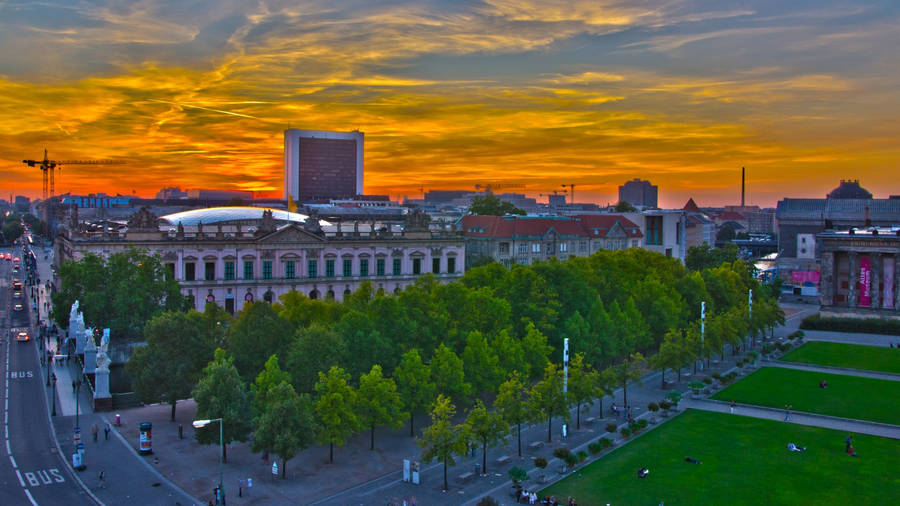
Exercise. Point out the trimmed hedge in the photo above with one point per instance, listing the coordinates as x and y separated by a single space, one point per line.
863 325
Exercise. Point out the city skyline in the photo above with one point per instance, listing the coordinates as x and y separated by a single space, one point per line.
540 93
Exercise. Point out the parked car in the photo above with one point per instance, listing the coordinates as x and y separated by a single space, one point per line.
22 336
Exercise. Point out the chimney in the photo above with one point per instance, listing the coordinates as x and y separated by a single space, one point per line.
743 171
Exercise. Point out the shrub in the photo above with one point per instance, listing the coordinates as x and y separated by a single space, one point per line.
626 433
674 398
634 427
487 501
696 386
582 455
604 442
611 427
654 407
731 376
767 349
561 453
739 363
664 404
571 459
540 462
707 380
595 447
642 423
716 376
751 356
866 325
517 474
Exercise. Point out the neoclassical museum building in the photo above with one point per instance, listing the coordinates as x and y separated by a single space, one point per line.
232 255
861 272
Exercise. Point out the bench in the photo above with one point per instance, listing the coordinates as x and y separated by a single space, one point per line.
589 420
464 477
504 459
535 445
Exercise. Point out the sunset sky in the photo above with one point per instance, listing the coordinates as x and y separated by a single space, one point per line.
197 94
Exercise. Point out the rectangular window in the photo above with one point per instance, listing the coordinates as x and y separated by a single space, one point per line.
417 266
398 264
348 267
229 270
170 270
654 230
523 248
451 265
329 268
379 267
550 248
189 271
289 272
209 272
248 269
436 265
363 267
312 268
267 269
536 247
563 247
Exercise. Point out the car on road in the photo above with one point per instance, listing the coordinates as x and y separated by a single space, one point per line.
17 294
7 257
17 307
22 336
17 285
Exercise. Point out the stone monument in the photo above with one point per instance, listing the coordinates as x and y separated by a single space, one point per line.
78 335
102 397
73 320
90 352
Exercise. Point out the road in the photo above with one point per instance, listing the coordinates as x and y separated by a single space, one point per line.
31 469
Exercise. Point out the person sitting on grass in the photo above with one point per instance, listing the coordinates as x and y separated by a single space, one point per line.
852 451
643 472
823 384
692 461
794 448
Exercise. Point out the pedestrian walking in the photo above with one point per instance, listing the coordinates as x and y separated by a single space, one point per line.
848 443
101 478
241 488
787 413
106 429
249 486
94 431
73 382
731 407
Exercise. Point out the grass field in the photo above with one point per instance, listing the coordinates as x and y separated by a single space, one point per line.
846 396
852 356
745 461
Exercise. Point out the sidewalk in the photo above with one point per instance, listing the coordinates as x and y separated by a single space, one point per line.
834 370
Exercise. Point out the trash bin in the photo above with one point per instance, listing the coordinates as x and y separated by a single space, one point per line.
477 468
146 439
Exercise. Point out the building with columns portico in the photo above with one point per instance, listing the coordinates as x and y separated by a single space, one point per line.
233 255
861 272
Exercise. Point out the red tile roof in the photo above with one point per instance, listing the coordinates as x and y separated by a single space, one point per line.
603 223
692 206
731 215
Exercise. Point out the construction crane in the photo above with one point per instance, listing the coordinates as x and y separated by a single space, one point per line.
47 166
496 186
571 191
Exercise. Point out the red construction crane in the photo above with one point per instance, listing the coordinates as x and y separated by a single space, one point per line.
46 165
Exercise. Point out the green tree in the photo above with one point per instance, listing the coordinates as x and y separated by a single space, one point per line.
583 386
493 206
448 374
221 394
513 405
623 206
536 351
480 364
170 365
442 439
510 355
255 335
487 428
315 350
121 292
671 354
262 389
334 407
301 311
547 399
630 370
414 384
378 402
286 425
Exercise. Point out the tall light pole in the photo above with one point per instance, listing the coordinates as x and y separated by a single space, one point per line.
702 327
77 395
750 311
203 423
565 378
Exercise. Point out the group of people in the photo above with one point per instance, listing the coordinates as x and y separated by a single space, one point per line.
532 498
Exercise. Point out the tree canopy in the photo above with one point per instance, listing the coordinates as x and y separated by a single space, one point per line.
493 206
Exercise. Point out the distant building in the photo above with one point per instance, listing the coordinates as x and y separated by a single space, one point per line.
321 165
22 203
526 239
219 195
699 228
99 201
799 221
639 193
860 273
171 193
437 197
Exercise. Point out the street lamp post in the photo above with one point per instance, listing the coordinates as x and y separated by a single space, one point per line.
54 395
203 423
77 395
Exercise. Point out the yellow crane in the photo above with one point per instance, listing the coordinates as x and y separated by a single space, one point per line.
47 166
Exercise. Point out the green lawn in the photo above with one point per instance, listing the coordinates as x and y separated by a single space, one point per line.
852 356
846 396
745 461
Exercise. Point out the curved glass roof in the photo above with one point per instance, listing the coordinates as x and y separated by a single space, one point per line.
229 214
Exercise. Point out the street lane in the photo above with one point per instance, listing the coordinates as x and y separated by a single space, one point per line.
31 469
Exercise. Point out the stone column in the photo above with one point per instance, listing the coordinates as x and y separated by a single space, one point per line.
851 280
827 280
876 280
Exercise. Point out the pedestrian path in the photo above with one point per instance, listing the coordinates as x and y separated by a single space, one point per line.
851 338
801 418
834 370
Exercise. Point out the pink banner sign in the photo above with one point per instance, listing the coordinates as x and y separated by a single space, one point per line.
805 276
887 299
864 285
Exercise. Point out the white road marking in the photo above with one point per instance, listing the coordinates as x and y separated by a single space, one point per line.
7 448
21 481
13 460
30 498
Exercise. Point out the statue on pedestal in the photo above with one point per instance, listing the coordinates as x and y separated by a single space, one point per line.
90 352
